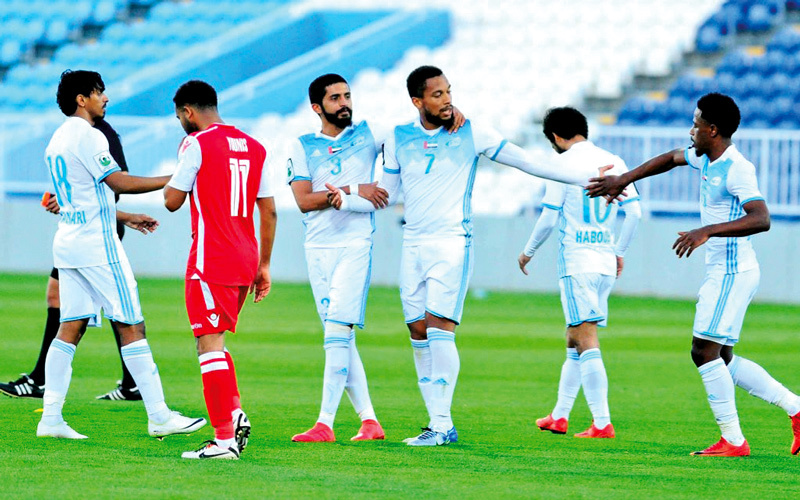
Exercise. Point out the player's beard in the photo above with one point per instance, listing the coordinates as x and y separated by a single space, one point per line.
439 121
335 119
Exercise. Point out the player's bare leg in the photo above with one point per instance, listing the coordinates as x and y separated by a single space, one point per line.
139 359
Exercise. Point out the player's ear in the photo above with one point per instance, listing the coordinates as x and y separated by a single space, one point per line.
80 99
713 131
417 102
317 108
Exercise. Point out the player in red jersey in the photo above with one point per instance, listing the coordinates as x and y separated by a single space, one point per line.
223 170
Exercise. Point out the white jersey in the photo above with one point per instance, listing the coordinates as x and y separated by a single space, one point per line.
586 225
348 158
78 159
436 170
726 184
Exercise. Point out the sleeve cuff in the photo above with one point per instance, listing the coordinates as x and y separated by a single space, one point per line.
754 198
499 148
551 207
391 170
107 173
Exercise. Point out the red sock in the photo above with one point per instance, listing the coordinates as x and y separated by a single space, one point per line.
237 405
216 389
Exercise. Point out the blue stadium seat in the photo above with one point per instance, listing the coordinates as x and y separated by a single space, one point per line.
10 52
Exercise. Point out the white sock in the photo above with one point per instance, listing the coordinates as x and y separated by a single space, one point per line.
568 385
722 398
226 443
445 365
57 375
139 361
755 380
595 386
337 368
422 361
357 389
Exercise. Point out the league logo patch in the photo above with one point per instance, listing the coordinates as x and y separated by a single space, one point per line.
103 159
454 143
290 169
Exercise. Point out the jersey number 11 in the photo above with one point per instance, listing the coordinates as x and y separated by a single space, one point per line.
239 171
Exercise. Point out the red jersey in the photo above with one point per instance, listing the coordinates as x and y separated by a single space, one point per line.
223 170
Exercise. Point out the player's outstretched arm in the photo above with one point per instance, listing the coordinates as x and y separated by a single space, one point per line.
140 222
612 186
756 220
268 219
123 183
541 231
514 156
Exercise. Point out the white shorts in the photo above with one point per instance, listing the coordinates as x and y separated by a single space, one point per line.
721 304
84 291
584 298
434 277
340 280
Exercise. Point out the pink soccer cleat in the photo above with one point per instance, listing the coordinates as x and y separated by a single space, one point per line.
320 433
370 430
548 423
723 448
796 431
594 432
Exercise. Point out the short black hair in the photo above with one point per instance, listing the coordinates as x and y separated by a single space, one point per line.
566 122
195 93
417 81
721 111
318 88
75 83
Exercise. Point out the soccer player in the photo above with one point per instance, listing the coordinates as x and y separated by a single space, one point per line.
731 210
588 263
93 269
338 245
32 385
436 171
223 171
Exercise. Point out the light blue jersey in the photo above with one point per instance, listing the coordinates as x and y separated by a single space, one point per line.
436 171
348 158
726 184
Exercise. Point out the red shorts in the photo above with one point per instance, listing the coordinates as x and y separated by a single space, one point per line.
213 308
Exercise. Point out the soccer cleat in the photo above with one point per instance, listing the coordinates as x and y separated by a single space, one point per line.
176 424
210 450
796 431
23 387
452 435
594 432
61 430
423 429
241 427
429 438
121 394
370 430
722 448
548 423
320 433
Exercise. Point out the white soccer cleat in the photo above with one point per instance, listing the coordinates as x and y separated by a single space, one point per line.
211 450
176 424
61 430
241 427
429 438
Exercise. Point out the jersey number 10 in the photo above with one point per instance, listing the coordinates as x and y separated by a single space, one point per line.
592 208
239 171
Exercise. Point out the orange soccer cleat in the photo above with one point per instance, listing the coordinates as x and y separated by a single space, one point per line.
796 431
370 430
724 449
594 432
548 423
320 433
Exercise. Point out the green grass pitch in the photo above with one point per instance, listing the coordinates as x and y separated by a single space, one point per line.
511 348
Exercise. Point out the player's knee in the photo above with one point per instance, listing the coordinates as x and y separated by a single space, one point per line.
417 330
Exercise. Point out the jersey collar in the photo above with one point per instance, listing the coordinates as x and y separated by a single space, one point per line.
418 124
345 131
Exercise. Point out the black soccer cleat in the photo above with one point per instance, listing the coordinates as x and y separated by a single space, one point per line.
23 387
121 394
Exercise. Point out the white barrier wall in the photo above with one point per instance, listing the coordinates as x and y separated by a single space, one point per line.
651 268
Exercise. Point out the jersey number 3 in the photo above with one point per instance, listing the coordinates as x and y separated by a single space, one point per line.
239 171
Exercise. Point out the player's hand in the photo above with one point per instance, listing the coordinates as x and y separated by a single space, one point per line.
523 260
689 240
620 265
379 197
458 121
608 186
262 284
334 196
141 222
50 203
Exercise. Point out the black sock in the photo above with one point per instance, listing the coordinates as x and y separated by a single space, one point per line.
127 378
50 332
